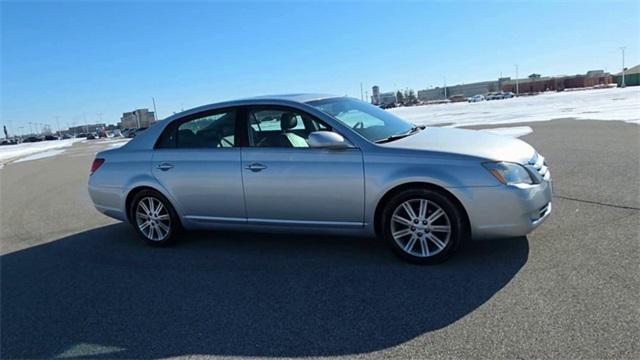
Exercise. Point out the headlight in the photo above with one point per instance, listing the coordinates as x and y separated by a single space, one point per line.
509 173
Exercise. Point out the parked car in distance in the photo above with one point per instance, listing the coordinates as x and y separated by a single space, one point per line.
493 96
91 136
31 139
50 137
457 98
476 98
500 95
322 164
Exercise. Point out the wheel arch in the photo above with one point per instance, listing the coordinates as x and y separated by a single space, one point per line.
137 189
377 225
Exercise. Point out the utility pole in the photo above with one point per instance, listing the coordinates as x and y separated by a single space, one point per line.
623 48
137 118
445 87
517 83
58 124
361 92
155 111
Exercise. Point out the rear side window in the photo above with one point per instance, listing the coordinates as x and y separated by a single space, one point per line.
211 130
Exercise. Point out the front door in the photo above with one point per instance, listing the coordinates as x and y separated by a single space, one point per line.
288 183
197 162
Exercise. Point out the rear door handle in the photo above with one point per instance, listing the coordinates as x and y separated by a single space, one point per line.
164 166
255 167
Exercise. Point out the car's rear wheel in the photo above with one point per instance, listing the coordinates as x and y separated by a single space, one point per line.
153 218
423 226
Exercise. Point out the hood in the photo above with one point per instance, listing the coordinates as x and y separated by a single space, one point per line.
467 142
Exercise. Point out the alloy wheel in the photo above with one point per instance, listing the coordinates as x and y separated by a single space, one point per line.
420 228
153 219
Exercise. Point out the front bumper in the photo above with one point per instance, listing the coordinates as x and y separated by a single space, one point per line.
507 211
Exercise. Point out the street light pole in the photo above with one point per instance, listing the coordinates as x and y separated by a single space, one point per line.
58 125
623 48
517 83
155 111
137 118
445 87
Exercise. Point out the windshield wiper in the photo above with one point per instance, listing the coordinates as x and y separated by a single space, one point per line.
409 132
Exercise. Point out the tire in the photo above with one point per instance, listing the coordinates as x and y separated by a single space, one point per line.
163 223
430 230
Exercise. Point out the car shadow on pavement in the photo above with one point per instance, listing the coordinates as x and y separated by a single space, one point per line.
103 294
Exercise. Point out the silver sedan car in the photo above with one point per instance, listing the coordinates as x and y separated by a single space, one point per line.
319 163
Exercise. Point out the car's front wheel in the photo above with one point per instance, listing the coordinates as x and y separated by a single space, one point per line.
423 226
153 218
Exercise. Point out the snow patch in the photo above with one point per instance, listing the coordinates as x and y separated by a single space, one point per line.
515 131
41 155
603 104
11 152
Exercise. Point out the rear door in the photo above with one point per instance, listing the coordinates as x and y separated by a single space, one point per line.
288 183
196 160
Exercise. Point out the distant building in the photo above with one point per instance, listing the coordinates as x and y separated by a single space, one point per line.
465 90
89 128
388 98
431 94
375 97
469 90
556 83
140 118
383 99
631 77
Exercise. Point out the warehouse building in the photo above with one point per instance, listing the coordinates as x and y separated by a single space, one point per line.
88 128
431 94
536 84
631 77
140 118
465 90
382 99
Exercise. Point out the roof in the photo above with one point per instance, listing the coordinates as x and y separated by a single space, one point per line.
302 97
284 99
633 70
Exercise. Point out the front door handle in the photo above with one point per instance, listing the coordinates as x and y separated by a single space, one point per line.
255 167
164 167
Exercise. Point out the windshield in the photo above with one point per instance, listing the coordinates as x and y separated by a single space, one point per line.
369 121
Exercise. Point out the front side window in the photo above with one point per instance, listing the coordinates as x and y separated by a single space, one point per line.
373 123
280 127
208 131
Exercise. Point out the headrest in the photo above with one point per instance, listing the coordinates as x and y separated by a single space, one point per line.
288 121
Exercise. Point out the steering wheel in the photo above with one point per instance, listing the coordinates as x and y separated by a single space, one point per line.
358 125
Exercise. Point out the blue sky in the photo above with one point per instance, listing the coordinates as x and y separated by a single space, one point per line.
78 59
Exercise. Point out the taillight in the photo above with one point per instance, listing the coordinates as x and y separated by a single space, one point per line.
97 162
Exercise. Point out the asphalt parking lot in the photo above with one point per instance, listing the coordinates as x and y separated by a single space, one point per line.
75 283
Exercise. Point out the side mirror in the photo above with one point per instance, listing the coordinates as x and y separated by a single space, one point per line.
327 140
